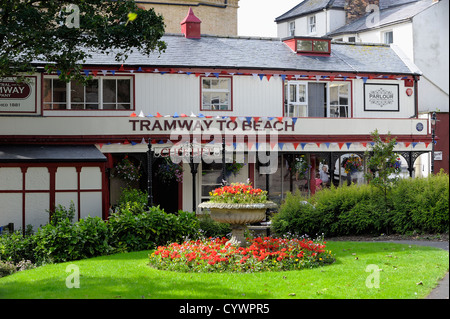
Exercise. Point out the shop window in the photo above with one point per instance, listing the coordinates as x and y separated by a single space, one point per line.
96 94
216 94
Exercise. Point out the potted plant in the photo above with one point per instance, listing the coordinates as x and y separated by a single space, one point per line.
238 204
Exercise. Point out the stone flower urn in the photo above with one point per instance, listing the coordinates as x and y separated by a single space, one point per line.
238 215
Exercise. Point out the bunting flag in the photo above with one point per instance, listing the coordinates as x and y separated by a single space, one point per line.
176 115
141 114
133 143
113 72
249 119
407 144
303 145
233 118
340 145
318 144
95 72
121 68
414 144
327 144
365 79
280 145
348 145
133 115
294 120
364 144
295 145
86 72
426 145
256 119
158 115
280 119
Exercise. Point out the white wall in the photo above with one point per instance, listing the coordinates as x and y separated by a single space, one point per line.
37 193
406 102
431 55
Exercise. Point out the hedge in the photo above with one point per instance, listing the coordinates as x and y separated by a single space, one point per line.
414 205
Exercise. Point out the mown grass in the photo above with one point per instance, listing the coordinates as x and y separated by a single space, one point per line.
405 272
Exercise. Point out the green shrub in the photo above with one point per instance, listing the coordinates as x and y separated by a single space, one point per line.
212 228
296 216
134 198
414 205
133 231
67 241
422 205
15 247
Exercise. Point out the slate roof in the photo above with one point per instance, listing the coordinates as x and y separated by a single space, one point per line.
392 15
259 53
311 6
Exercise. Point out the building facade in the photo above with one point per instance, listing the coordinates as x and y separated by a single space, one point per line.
271 111
418 29
219 17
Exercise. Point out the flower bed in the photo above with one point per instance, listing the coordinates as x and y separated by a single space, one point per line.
263 254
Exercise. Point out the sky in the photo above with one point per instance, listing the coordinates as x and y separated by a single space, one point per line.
256 17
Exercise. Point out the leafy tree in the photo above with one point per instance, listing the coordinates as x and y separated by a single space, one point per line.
383 165
63 35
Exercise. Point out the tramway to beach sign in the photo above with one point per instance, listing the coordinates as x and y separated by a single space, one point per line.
18 97
381 97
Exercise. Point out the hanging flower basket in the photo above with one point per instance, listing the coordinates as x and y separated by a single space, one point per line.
300 166
127 171
233 168
352 164
168 171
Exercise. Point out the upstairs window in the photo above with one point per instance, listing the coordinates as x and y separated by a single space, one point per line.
216 94
388 37
97 94
291 30
312 25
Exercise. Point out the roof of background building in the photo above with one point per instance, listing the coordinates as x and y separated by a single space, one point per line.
310 6
392 15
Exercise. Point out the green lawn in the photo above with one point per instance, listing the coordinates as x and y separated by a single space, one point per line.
405 272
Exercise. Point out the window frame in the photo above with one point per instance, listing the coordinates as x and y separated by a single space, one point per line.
312 51
385 34
291 28
100 78
328 97
229 91
312 25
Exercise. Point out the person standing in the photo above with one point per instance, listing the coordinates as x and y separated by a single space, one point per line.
324 175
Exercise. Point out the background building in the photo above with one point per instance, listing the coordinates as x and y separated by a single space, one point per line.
219 17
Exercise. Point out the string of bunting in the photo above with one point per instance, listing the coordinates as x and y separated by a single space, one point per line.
281 146
259 76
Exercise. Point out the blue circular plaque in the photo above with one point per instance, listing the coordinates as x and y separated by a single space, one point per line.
419 127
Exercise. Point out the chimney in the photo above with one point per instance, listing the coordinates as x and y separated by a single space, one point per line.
355 9
190 26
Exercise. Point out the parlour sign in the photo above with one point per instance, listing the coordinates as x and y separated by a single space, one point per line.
17 97
381 97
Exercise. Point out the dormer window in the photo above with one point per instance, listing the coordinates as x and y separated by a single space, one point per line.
309 45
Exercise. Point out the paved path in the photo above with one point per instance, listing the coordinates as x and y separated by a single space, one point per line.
442 290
